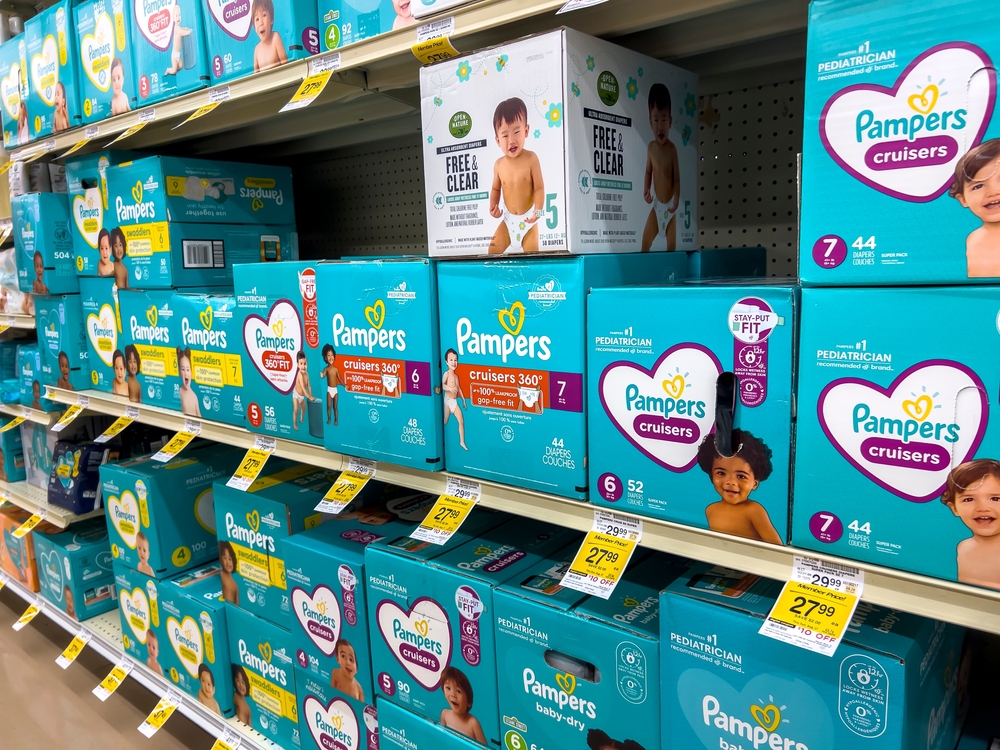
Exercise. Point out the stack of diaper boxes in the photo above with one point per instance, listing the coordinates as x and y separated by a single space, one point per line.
75 569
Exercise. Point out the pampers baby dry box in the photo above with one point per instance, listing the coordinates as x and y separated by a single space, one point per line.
53 102
890 685
900 139
43 244
654 399
74 569
895 448
380 381
513 359
559 141
105 58
168 40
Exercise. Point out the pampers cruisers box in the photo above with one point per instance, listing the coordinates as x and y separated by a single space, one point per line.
656 416
75 569
380 381
328 719
105 58
43 244
890 685
896 416
513 359
62 342
53 101
168 38
901 144
597 155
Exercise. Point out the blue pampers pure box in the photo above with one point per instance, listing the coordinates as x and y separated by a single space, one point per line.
653 409
139 609
399 729
381 362
433 641
97 250
105 58
513 355
13 90
168 39
105 350
899 143
893 682
146 333
263 677
62 342
53 102
75 569
901 427
251 36
29 365
43 244
329 719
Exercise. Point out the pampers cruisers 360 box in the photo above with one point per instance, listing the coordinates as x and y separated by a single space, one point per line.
168 38
700 409
895 413
891 685
596 154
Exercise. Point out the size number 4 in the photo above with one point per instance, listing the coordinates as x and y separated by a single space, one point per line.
861 243
865 528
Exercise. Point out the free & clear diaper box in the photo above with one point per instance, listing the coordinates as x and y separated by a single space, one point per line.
53 101
74 569
169 48
900 144
14 90
62 341
559 141
892 682
98 247
105 58
655 394
380 377
43 244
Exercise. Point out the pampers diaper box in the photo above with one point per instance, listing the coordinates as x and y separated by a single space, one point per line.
103 327
17 556
142 620
559 141
902 428
899 122
347 21
147 324
11 454
29 363
245 38
161 516
329 719
513 357
891 684
94 245
699 409
263 677
106 69
62 342
169 47
433 650
37 443
74 569
13 87
53 103
399 729
284 387
380 380
43 244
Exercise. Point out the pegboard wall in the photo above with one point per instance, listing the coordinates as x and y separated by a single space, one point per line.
370 199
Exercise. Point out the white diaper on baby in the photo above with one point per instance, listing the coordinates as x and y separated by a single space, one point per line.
517 228
390 382
451 403
529 396
662 211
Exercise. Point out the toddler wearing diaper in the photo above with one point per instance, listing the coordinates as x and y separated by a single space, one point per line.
977 188
973 494
453 395
662 183
517 176
270 51
303 390
177 56
333 382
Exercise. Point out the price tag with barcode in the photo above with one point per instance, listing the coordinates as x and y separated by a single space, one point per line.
327 62
449 511
347 487
310 88
230 740
159 715
25 528
29 614
604 554
114 679
12 424
70 414
179 441
131 414
74 648
253 463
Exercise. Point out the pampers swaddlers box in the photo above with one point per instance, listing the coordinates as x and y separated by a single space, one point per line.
102 322
899 118
147 326
104 45
13 87
168 41
62 342
74 569
43 244
139 608
652 404
896 416
513 355
891 685
594 140
87 186
380 380
53 103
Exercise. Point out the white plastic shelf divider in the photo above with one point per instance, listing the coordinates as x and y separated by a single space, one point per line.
942 600
106 639
47 418
33 499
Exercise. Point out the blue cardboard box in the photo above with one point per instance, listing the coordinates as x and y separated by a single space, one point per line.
75 569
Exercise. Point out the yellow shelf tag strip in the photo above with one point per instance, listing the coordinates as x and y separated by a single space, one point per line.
449 512
119 425
25 528
29 614
12 423
70 414
179 441
230 740
159 715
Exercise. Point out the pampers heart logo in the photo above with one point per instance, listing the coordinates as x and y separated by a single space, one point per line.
567 682
273 343
253 521
88 214
137 192
135 609
151 315
376 314
154 19
185 637
97 52
906 438
667 410
420 638
768 717
103 332
333 726
265 651
904 141
124 515
205 316
52 573
513 318
10 90
319 616
45 71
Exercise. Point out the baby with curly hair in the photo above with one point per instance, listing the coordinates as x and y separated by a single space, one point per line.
734 478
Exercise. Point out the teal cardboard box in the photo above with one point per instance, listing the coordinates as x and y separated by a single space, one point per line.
103 327
43 244
13 89
54 101
161 516
105 58
75 569
150 349
328 719
11 454
29 365
399 729
98 250
37 444
168 42
139 608
348 21
62 341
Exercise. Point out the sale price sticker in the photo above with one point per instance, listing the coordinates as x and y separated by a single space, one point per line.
131 414
604 554
434 50
230 740
159 715
29 614
449 511
74 648
25 528
70 414
179 441
253 463
12 424
114 679
348 485
310 88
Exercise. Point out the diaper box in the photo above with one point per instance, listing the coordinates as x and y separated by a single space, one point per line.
700 409
598 154
329 719
898 419
263 678
106 72
43 243
423 8
17 556
513 353
98 248
50 39
13 89
284 390
147 327
344 22
380 380
74 569
196 635
74 484
105 343
434 646
891 684
258 36
169 48
161 516
142 620
399 729
29 365
62 341
900 144
11 454
37 444
251 526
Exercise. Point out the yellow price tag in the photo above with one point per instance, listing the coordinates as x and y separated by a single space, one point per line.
12 423
444 519
73 650
251 466
22 531
7 165
131 414
75 147
28 616
3 238
434 50
114 679
200 112
131 131
602 556
310 88
68 416
179 441
230 740
347 487
159 715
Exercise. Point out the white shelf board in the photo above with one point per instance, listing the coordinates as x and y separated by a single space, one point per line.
47 418
17 320
33 499
942 600
106 639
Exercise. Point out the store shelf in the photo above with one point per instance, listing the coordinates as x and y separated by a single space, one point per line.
47 418
33 499
106 639
17 321
943 600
